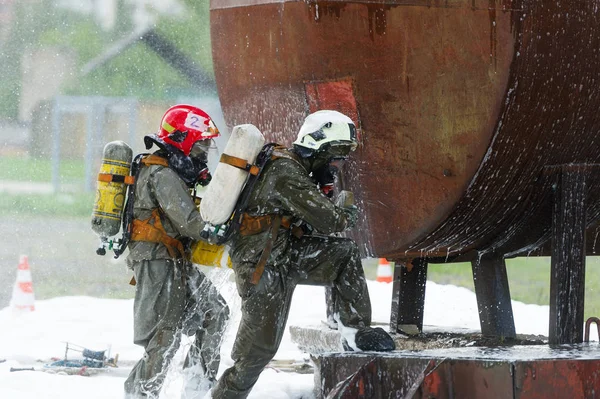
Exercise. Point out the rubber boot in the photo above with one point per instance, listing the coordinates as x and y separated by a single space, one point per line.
374 339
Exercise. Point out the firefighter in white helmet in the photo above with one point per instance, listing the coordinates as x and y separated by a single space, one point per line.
286 239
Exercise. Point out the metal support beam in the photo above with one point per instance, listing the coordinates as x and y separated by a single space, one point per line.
408 297
493 297
95 109
567 280
56 120
330 298
91 132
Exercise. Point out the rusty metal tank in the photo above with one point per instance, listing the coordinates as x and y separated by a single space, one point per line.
463 106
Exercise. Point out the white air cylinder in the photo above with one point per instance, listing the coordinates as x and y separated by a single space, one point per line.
218 202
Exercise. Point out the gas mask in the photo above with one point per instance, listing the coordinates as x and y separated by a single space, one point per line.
326 174
199 158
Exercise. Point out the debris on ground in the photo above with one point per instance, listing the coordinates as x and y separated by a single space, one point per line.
90 362
292 366
13 369
457 340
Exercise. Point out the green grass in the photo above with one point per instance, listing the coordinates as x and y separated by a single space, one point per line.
75 278
67 205
529 279
39 170
28 170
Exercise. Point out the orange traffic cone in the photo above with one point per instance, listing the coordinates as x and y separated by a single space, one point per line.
384 271
22 296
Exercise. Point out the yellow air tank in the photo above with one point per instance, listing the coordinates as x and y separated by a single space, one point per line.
111 190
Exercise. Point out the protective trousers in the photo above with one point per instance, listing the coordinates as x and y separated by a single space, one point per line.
171 298
310 260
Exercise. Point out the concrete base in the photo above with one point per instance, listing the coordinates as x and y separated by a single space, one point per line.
318 339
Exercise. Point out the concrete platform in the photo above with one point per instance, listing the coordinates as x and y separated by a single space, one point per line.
317 339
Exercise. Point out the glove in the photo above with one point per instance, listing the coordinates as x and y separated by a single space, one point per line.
351 213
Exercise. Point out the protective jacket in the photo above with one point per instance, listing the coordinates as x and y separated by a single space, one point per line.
159 187
286 189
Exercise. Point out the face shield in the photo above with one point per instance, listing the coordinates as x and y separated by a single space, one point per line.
212 130
201 148
199 157
329 162
340 150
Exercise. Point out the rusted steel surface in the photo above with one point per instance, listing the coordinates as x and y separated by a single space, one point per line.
557 379
460 105
367 375
467 379
362 383
438 374
410 377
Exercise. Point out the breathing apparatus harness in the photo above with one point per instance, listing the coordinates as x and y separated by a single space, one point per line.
246 224
221 234
151 229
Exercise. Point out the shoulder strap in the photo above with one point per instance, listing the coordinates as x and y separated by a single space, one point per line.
154 159
130 180
239 163
127 218
280 151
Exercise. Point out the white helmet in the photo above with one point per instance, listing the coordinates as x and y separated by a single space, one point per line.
322 130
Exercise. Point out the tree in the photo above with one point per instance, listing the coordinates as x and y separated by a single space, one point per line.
137 71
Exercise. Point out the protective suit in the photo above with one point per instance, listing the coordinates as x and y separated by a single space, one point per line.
172 296
288 196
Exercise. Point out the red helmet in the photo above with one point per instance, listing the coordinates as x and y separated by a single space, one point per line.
182 125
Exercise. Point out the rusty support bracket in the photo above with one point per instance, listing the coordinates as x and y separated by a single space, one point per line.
493 297
408 297
567 279
586 336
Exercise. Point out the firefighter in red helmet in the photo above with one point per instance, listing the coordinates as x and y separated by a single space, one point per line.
185 134
172 297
